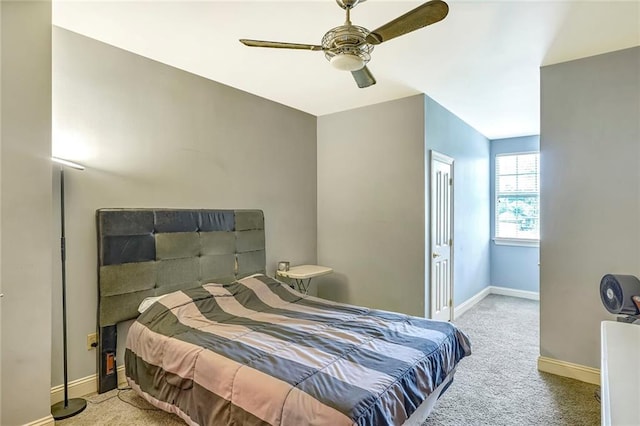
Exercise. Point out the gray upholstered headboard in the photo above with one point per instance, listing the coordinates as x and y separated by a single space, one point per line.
150 252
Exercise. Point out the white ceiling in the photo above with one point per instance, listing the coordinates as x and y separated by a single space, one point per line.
482 62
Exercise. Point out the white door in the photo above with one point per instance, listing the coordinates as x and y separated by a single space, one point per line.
441 202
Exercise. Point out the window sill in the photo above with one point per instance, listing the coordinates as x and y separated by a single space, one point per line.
520 242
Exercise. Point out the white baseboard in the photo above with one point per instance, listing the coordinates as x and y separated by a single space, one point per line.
470 303
523 294
77 388
45 421
84 386
492 289
569 369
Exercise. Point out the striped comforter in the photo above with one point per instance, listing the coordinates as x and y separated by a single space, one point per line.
256 352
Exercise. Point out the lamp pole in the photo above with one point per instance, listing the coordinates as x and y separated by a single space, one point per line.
67 407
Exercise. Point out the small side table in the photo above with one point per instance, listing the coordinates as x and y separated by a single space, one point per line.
304 272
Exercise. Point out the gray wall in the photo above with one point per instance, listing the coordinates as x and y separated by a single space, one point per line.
449 135
373 171
589 143
154 136
513 266
371 205
25 200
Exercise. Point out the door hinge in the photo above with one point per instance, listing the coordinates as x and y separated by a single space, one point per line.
450 181
450 242
451 303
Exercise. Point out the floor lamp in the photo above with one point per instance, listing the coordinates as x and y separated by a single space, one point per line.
67 407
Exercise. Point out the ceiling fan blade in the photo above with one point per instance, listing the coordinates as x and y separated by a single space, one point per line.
363 77
279 45
423 15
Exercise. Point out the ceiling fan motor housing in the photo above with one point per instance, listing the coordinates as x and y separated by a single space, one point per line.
349 4
347 41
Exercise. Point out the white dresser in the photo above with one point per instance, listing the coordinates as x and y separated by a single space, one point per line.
620 374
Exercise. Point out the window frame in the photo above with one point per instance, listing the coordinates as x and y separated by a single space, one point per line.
511 241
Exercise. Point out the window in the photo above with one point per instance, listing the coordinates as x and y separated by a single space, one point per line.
518 197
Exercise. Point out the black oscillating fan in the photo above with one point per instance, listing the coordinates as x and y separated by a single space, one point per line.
620 295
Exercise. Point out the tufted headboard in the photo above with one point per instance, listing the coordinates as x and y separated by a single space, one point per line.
150 252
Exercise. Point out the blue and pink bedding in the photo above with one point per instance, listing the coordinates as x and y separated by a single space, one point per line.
256 352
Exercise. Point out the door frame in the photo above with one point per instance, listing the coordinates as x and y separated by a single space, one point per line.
437 156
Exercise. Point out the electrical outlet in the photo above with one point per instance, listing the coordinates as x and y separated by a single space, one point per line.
92 341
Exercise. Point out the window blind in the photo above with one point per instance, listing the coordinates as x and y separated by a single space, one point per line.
518 196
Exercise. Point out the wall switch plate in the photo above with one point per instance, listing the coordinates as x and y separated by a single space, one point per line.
92 341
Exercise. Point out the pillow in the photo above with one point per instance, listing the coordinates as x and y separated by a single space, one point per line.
147 302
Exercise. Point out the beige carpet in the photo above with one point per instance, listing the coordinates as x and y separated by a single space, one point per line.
498 385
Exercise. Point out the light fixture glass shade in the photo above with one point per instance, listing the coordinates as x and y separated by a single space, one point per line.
347 62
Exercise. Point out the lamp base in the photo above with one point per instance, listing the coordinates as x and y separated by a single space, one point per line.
74 406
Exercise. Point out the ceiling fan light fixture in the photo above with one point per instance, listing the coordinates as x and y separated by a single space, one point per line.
347 62
348 47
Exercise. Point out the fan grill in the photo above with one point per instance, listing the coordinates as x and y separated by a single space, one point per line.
611 294
347 39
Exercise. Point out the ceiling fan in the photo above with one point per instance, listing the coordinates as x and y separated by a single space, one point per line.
348 47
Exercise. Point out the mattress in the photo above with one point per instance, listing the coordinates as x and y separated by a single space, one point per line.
257 352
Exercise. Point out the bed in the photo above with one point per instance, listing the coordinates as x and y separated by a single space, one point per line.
227 344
